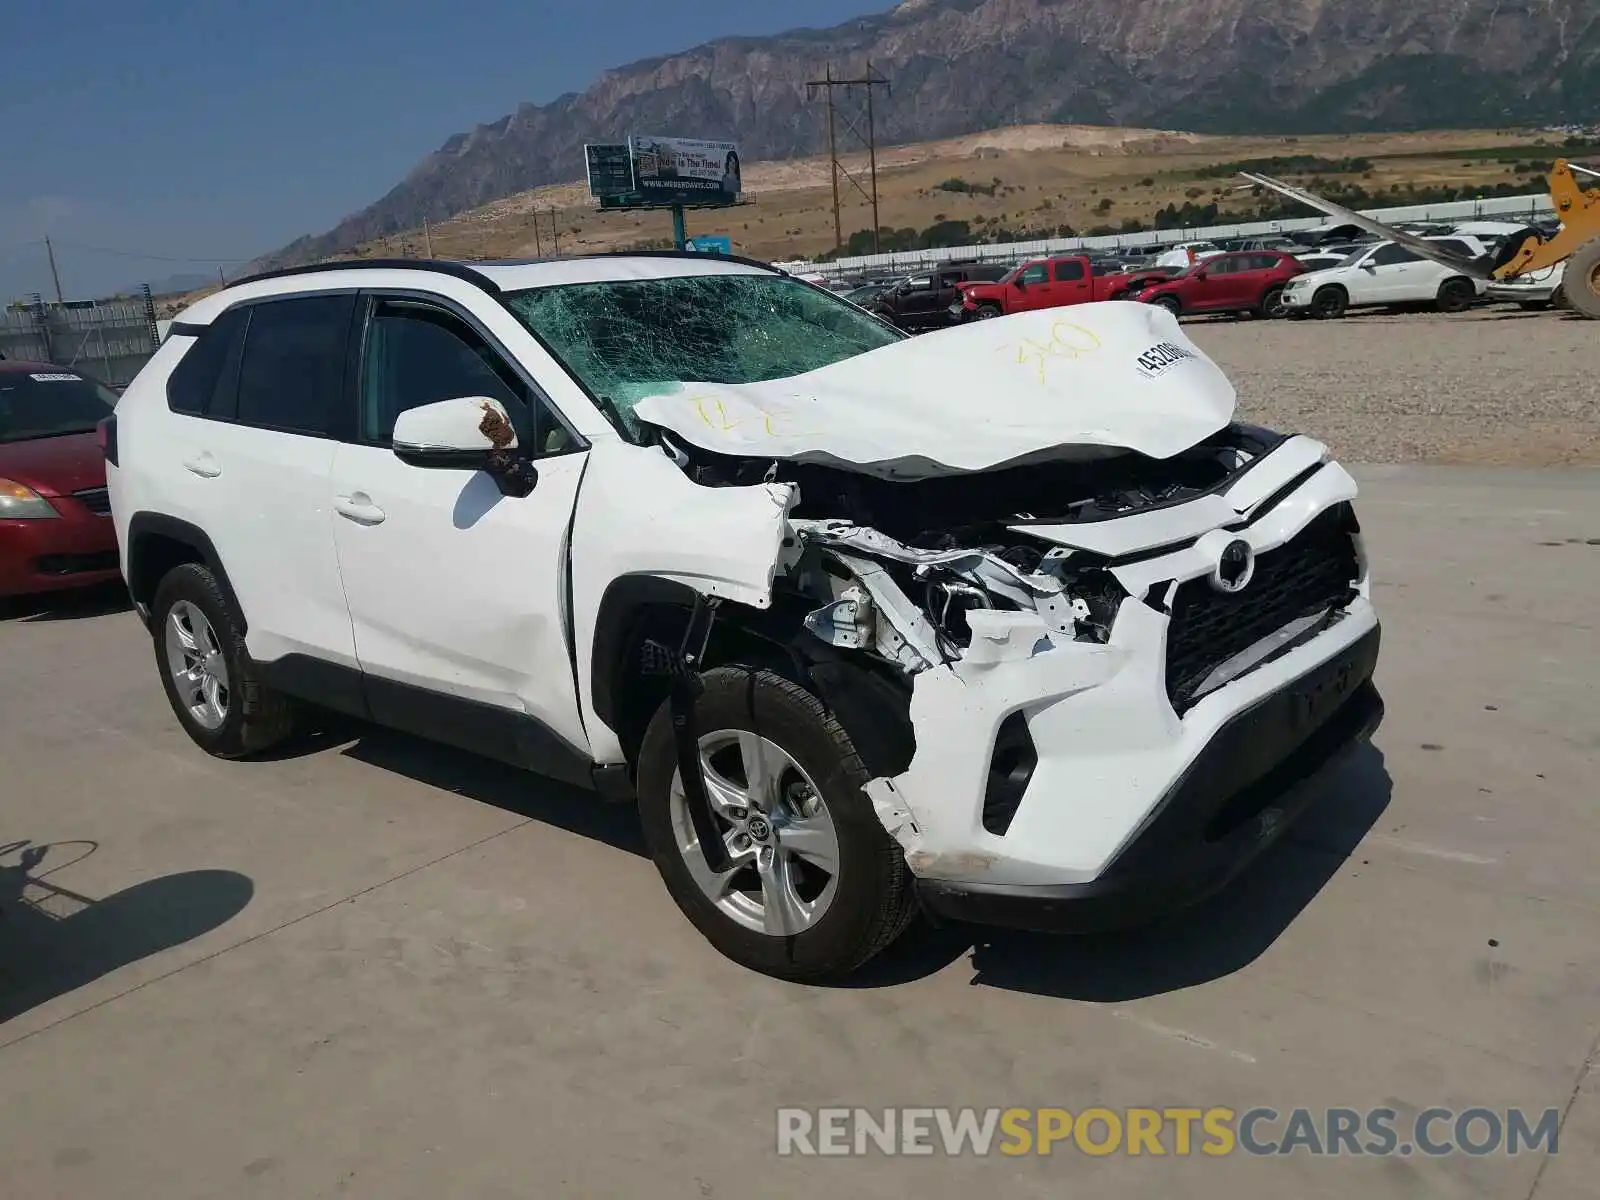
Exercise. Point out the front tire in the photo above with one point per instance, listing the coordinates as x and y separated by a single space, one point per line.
1330 303
1171 303
816 887
214 688
988 312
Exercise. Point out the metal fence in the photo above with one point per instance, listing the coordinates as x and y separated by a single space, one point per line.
109 339
1508 208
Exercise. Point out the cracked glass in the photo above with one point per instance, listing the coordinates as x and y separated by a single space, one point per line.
628 339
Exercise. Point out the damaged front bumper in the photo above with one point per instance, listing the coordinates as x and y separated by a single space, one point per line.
1065 779
1248 785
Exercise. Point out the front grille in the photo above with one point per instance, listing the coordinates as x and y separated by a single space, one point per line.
96 500
78 564
1314 572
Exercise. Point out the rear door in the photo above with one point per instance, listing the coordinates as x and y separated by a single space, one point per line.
1070 281
454 588
257 405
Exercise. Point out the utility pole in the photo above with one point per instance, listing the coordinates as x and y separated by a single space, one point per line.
54 274
538 243
869 140
555 234
427 236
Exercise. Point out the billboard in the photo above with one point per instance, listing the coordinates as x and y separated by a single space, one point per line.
709 243
610 169
683 171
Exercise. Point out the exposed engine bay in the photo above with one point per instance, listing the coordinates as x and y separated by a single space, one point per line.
904 565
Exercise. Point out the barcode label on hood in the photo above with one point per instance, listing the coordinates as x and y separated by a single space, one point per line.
55 377
1162 357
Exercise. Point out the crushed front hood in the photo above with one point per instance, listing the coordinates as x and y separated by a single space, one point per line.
1083 381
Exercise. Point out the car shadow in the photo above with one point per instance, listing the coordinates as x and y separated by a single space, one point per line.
54 940
1215 938
79 604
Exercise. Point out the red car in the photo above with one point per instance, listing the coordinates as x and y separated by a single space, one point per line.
1251 281
55 518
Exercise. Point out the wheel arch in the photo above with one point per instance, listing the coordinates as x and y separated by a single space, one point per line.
634 609
156 544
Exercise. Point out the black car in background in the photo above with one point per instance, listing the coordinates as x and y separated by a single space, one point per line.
922 301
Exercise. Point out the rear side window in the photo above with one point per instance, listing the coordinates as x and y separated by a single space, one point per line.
1393 255
1069 271
291 376
193 387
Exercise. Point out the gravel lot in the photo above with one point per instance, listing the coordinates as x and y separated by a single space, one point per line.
1495 386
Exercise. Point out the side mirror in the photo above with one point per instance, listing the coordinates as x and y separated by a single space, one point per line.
1019 284
1369 265
469 433
1201 275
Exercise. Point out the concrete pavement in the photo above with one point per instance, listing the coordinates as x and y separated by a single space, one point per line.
373 967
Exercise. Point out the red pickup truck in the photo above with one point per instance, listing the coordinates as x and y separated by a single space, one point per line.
1042 283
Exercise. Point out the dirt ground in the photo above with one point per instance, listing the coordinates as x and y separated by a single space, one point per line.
1495 386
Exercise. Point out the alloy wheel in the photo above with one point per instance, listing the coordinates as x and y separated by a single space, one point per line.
783 848
199 670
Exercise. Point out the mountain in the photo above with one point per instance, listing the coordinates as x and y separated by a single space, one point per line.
960 66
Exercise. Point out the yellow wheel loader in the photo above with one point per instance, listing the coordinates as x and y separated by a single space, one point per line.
1577 244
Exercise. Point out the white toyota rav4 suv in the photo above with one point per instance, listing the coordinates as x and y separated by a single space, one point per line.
1388 274
1009 623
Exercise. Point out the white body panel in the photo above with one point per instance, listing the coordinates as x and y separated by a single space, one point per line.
263 499
454 587
640 515
1107 376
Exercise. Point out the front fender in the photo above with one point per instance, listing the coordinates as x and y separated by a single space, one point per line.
645 533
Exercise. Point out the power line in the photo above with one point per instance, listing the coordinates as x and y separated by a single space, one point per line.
827 85
175 258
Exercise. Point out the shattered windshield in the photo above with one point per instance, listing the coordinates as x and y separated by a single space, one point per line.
628 339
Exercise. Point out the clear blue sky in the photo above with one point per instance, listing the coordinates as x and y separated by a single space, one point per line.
188 129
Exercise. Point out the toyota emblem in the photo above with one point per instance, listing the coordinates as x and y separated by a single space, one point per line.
1235 567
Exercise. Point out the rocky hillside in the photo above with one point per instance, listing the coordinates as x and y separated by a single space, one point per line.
957 66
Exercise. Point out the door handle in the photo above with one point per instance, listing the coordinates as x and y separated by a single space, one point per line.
358 507
202 465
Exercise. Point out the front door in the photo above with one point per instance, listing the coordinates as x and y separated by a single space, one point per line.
454 588
1031 289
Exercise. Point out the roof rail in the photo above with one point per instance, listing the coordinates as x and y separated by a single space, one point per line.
439 266
695 255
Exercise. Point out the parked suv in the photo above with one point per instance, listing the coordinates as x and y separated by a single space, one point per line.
1228 283
923 301
1015 623
1386 274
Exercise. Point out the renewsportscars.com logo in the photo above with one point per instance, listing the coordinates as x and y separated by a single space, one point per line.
1178 1132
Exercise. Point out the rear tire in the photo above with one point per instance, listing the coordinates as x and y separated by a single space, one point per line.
1330 303
1581 282
1272 306
219 699
1456 295
802 746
